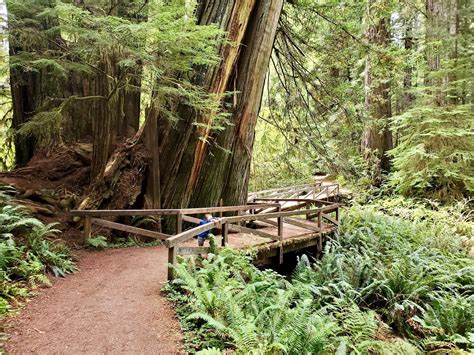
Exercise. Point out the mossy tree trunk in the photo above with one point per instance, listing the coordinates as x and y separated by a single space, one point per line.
29 88
377 137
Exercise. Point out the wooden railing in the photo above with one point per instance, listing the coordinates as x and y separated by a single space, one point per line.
267 210
314 191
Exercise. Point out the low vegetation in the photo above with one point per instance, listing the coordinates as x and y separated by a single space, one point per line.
29 252
397 279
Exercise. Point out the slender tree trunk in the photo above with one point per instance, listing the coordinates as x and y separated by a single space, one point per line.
377 137
408 76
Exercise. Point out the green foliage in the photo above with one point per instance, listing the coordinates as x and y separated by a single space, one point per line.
387 284
277 159
317 96
99 242
436 152
27 253
158 45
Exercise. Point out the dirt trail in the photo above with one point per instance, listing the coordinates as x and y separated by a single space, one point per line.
112 305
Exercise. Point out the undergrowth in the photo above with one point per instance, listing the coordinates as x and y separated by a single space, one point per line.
397 281
29 250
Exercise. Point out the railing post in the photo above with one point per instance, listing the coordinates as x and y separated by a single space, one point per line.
87 228
319 219
239 213
308 205
225 234
221 204
280 237
179 223
172 262
337 213
172 251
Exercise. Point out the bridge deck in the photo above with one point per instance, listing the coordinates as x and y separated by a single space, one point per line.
239 240
275 222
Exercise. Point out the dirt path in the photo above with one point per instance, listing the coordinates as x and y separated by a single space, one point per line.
112 305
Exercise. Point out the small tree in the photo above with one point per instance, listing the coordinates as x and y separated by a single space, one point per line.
436 151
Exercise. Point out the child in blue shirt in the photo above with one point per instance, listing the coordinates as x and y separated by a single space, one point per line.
204 235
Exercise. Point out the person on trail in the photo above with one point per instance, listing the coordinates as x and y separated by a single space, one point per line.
204 235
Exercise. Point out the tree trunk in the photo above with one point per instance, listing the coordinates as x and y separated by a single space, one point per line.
185 150
377 138
29 88
226 175
181 146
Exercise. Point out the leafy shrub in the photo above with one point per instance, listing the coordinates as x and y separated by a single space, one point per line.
27 253
384 285
99 242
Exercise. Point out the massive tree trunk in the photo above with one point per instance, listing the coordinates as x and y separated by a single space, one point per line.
29 88
98 120
377 137
191 157
226 175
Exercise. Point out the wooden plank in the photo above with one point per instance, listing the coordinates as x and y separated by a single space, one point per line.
327 209
179 223
300 223
224 208
280 237
262 216
272 223
237 228
333 221
225 234
192 250
186 235
285 199
294 222
285 189
289 208
156 212
110 213
191 219
130 229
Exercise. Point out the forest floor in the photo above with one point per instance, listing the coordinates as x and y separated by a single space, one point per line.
112 304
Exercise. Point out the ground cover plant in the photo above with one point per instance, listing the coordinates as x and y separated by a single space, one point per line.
28 253
397 279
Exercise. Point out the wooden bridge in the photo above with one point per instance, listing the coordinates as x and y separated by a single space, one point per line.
273 222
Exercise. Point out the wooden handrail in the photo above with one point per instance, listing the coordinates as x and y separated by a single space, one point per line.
129 229
288 188
186 235
171 211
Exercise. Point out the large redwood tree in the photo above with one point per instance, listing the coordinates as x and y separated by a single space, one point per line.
200 166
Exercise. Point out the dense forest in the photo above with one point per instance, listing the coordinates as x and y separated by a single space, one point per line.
151 104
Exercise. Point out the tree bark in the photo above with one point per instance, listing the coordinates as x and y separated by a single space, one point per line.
29 88
226 175
377 137
189 167
181 144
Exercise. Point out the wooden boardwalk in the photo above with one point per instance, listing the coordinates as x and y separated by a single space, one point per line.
274 222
